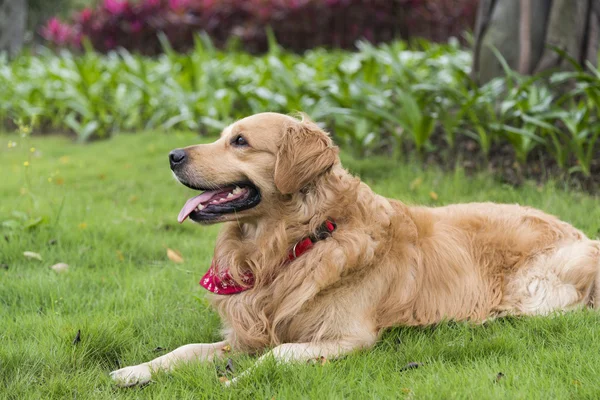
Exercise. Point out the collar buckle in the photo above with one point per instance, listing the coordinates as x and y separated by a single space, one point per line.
293 253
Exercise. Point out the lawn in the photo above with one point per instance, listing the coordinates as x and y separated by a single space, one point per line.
109 210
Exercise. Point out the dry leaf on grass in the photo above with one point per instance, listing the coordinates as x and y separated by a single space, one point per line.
416 183
433 195
31 254
223 379
60 267
318 360
226 348
174 256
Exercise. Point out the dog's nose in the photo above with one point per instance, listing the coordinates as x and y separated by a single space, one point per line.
176 157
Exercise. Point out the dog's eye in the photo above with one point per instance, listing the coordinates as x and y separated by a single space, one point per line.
239 141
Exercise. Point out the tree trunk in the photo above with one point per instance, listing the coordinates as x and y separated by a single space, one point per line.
525 32
13 18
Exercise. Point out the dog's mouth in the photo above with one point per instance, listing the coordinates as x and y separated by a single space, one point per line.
212 204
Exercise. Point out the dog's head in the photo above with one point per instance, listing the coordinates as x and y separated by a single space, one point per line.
256 163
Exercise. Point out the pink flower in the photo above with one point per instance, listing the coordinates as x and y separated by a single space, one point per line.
51 27
115 7
57 32
85 15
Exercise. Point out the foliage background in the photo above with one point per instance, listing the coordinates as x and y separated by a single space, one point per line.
297 24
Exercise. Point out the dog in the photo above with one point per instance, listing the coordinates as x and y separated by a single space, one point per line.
312 263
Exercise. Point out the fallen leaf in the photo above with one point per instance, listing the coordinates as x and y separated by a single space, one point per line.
433 195
174 256
499 376
31 254
411 365
133 198
82 225
59 181
120 255
416 183
77 337
229 367
223 379
226 348
406 390
102 177
318 360
60 267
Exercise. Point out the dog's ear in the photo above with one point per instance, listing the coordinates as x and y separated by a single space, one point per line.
305 152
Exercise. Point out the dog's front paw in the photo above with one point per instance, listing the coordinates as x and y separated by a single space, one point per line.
131 376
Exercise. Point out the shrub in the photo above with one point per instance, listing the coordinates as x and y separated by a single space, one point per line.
297 24
383 98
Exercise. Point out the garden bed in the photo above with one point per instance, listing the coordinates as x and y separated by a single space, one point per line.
406 102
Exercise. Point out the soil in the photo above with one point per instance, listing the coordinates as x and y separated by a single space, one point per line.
502 163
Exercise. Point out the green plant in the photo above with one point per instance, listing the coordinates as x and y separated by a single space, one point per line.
375 100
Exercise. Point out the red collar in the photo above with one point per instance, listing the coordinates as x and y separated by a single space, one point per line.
222 282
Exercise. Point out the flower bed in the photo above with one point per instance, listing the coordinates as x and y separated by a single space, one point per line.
297 24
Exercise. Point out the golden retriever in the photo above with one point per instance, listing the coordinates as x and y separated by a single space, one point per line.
275 180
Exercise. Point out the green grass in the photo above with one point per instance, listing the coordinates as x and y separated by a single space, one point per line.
110 211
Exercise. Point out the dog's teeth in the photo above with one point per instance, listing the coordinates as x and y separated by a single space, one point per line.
230 195
200 207
214 202
237 190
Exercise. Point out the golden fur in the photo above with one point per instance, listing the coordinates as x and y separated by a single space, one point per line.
386 264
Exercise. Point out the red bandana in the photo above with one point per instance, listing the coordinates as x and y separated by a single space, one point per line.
223 283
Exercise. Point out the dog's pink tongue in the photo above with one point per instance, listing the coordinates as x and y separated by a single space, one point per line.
194 202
